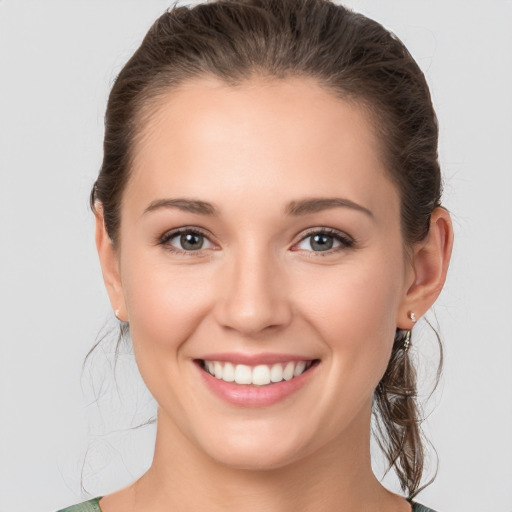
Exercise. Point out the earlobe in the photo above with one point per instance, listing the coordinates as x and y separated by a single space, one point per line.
109 266
430 262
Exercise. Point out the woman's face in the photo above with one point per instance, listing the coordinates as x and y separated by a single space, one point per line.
260 233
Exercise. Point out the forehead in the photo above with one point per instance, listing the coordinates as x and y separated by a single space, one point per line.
286 136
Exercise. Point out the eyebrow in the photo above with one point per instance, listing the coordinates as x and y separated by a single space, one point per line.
317 204
187 205
294 208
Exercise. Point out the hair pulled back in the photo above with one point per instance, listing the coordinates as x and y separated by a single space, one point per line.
354 58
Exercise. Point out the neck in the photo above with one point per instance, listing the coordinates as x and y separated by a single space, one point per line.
337 477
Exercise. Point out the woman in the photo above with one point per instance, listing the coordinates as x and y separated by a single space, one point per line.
269 227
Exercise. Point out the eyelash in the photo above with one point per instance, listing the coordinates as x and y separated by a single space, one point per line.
345 241
167 237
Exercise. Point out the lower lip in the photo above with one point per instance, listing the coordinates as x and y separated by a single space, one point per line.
250 395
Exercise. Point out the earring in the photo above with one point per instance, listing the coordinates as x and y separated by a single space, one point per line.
407 341
116 312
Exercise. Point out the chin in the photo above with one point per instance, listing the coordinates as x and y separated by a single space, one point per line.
255 453
253 459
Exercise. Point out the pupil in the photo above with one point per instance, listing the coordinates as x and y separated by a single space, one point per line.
321 242
191 241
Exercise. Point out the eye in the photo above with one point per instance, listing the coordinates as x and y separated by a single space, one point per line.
325 240
186 240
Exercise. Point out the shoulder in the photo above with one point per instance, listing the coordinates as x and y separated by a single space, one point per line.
418 507
86 506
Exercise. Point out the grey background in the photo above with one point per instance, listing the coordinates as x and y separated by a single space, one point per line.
57 61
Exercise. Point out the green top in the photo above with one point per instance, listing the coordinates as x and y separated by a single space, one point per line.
93 506
86 506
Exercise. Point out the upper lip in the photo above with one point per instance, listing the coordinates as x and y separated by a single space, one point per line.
254 359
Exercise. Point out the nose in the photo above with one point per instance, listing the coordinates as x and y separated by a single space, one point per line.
254 293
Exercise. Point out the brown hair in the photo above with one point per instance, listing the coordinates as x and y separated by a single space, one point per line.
354 58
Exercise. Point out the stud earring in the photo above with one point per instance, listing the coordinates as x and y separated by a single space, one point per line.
412 316
116 312
407 341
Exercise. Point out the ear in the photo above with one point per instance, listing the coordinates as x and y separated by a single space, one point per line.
109 262
430 261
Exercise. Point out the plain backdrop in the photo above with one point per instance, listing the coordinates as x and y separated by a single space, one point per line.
60 428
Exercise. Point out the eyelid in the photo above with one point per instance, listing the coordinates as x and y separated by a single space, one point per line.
345 240
173 233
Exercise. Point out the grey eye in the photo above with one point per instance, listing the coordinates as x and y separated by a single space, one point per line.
187 241
191 241
319 242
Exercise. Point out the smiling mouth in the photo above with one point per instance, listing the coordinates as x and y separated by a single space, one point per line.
259 375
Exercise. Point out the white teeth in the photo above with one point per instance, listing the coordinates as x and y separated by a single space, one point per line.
228 373
218 370
301 366
259 375
276 373
288 371
243 374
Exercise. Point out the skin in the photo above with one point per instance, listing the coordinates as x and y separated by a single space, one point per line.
258 285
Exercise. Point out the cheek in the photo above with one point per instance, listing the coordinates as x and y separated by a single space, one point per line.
164 305
354 309
365 295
